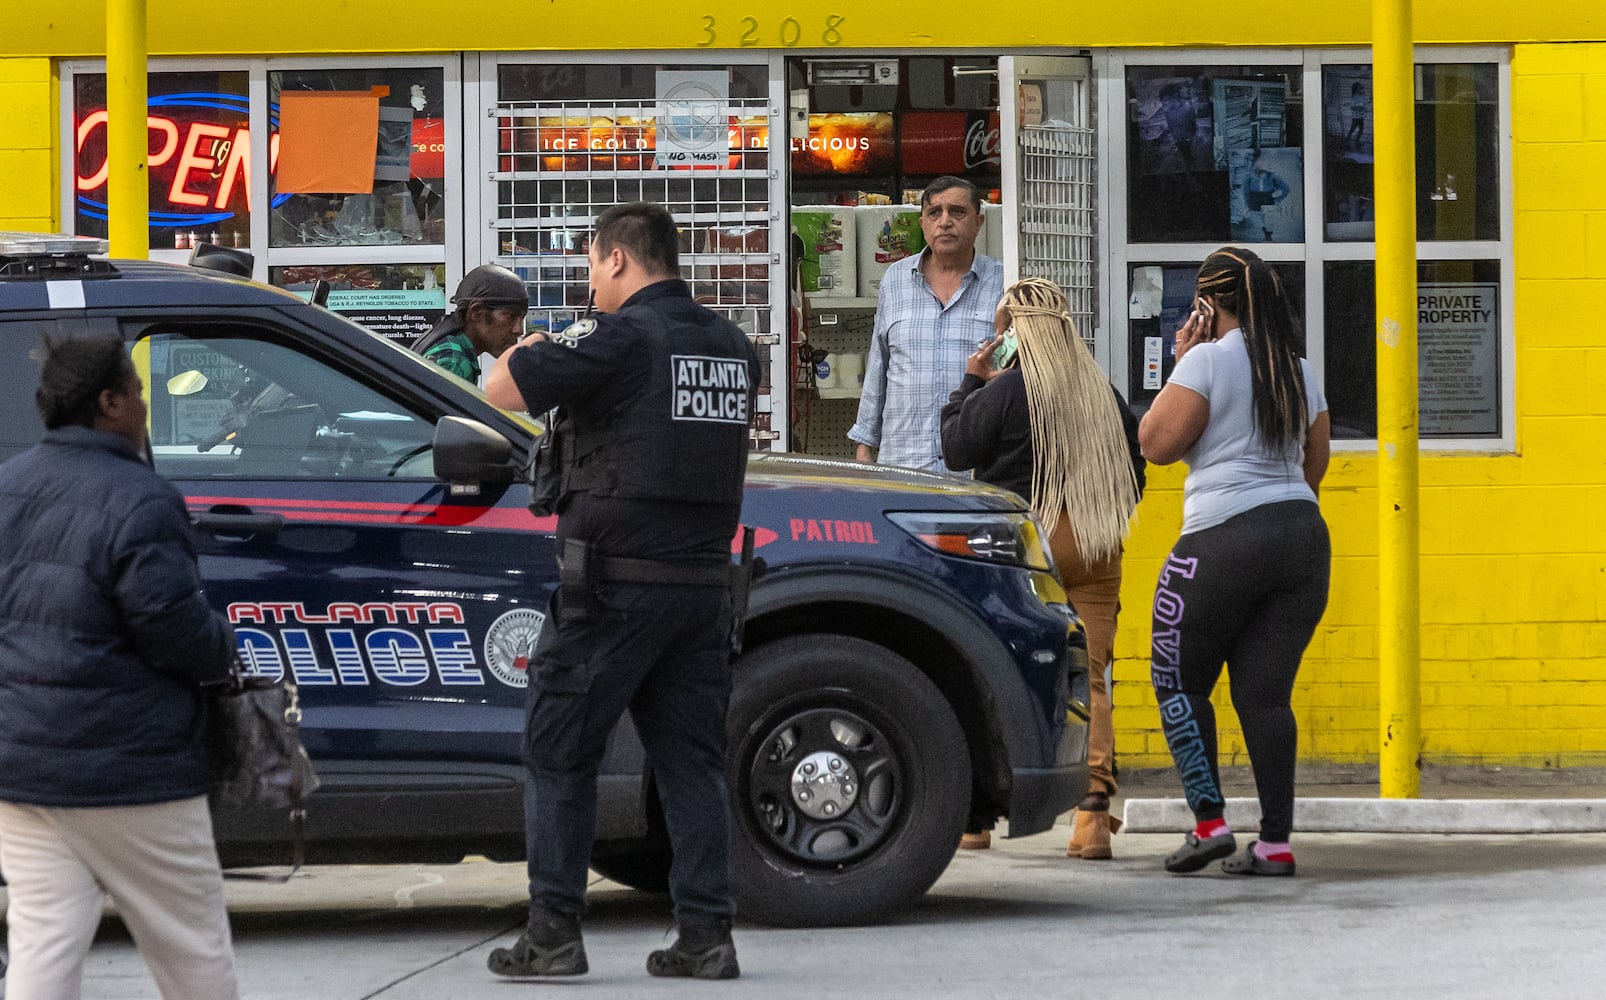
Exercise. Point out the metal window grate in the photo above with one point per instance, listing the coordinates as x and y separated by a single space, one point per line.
561 163
1057 227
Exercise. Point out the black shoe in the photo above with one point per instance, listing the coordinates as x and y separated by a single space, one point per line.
1250 863
1195 853
550 946
698 953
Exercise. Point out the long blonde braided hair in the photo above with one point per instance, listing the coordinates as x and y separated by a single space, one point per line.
1081 466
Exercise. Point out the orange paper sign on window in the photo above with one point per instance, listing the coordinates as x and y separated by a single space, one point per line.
327 141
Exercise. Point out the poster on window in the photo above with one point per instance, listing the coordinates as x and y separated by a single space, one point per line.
1249 115
1175 133
1268 204
1347 112
1347 146
692 118
1458 358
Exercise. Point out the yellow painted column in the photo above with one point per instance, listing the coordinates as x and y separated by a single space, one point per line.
128 193
1399 582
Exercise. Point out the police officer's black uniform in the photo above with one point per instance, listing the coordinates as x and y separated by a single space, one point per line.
655 400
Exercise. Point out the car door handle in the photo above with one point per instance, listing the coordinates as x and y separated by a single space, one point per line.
240 525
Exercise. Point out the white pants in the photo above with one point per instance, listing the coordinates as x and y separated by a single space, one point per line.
158 864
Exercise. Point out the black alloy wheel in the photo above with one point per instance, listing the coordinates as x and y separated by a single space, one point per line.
850 782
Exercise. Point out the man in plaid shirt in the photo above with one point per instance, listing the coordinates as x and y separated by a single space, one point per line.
932 312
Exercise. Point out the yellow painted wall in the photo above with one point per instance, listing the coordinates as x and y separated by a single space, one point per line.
28 183
1513 546
77 27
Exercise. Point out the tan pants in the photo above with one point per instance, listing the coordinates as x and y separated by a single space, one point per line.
158 864
1095 593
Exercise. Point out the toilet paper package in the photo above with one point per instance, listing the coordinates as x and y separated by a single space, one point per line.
887 234
850 371
825 372
840 375
830 247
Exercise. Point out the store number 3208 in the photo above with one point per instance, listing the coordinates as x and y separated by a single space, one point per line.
790 29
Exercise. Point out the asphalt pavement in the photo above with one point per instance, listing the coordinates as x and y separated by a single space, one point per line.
1369 915
1418 915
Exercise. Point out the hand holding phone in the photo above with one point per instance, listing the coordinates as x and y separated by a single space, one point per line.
981 363
1199 327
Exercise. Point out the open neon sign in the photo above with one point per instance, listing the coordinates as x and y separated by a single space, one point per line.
208 160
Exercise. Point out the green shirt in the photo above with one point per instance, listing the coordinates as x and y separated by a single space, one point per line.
457 355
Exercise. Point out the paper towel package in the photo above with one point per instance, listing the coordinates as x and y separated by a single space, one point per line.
887 234
830 248
992 230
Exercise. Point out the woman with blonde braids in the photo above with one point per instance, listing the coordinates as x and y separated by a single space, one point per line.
1035 414
1246 583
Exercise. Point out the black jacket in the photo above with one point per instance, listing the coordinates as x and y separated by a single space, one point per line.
684 503
986 427
104 631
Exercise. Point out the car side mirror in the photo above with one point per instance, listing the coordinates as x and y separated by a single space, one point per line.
468 454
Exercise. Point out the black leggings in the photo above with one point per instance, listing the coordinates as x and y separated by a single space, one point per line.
1247 592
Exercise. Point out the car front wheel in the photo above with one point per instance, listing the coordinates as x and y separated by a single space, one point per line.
850 782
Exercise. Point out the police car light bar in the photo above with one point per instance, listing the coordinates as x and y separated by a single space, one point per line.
13 244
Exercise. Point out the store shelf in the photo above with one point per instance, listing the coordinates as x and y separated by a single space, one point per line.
819 303
829 393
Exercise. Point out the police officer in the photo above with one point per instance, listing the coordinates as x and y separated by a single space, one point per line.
491 304
654 395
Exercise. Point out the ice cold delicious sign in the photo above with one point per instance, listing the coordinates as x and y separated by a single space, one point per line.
1458 355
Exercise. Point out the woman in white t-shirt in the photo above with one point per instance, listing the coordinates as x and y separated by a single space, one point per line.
1246 583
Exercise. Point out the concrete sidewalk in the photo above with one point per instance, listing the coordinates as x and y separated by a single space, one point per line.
1344 799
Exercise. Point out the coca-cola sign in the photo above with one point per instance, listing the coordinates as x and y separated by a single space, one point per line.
981 143
950 142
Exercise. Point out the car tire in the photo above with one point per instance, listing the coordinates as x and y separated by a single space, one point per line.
850 782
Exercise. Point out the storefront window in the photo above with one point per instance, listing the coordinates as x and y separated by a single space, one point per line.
1457 152
1214 154
402 197
1159 298
399 301
1188 122
199 160
576 139
573 139
1458 348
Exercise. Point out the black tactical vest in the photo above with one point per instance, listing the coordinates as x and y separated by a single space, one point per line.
684 437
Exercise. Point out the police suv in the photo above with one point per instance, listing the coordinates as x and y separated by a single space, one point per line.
363 519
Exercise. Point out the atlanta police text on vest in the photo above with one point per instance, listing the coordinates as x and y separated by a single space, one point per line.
710 389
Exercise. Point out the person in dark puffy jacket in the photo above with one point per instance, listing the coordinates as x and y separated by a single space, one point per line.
105 639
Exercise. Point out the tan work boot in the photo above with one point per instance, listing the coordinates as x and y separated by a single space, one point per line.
1090 836
979 841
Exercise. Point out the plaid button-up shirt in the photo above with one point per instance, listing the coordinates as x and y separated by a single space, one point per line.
917 357
457 355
